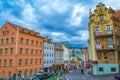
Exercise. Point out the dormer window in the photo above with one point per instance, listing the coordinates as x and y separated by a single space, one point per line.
101 17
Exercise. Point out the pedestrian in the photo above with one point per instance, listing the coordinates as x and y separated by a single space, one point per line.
82 71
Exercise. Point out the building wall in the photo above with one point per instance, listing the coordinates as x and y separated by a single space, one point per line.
102 43
58 54
8 70
66 53
48 54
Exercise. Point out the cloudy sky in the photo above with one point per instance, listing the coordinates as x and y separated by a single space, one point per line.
60 20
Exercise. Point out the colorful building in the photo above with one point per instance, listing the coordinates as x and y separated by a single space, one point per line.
104 41
80 55
21 51
48 55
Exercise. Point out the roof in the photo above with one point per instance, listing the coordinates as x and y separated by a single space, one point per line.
117 14
24 30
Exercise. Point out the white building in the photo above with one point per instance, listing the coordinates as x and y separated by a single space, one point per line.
66 53
48 55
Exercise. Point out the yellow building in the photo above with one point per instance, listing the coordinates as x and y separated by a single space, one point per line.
104 41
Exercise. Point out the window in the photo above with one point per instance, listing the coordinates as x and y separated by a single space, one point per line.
2 41
36 43
27 51
32 42
31 51
3 33
21 49
19 74
40 52
40 61
6 50
10 74
12 40
40 43
31 72
36 51
5 62
10 62
0 51
21 40
27 41
44 62
20 62
108 28
11 51
100 68
35 71
99 56
31 61
35 61
110 41
105 55
101 17
26 62
0 62
98 41
25 73
97 29
7 41
112 56
113 69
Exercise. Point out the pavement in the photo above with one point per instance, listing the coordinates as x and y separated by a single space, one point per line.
76 75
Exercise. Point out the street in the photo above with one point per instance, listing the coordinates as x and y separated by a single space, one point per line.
76 75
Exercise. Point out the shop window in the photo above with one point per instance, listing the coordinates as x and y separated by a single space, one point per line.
100 68
25 73
10 74
113 69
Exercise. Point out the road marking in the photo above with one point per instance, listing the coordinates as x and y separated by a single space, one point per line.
87 73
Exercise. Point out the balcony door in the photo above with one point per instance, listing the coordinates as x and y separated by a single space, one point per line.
108 30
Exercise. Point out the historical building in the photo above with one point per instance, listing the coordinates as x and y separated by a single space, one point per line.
21 51
104 41
58 56
80 56
48 55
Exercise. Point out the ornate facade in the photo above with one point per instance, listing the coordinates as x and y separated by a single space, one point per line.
104 41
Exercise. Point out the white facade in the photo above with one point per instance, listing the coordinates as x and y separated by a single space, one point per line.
48 55
66 53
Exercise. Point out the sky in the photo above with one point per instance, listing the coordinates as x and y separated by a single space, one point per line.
60 20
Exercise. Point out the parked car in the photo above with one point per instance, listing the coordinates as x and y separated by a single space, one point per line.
39 75
117 76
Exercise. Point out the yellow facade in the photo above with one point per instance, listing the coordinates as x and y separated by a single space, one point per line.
103 43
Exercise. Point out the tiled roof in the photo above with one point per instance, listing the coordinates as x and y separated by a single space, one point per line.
24 30
117 14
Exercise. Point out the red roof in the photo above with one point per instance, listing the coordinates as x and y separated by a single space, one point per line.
117 14
24 30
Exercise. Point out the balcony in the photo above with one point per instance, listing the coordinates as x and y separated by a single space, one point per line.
104 33
109 47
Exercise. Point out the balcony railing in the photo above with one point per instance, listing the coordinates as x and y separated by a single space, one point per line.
103 33
109 47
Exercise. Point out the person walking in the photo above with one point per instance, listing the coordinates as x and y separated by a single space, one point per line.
82 71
